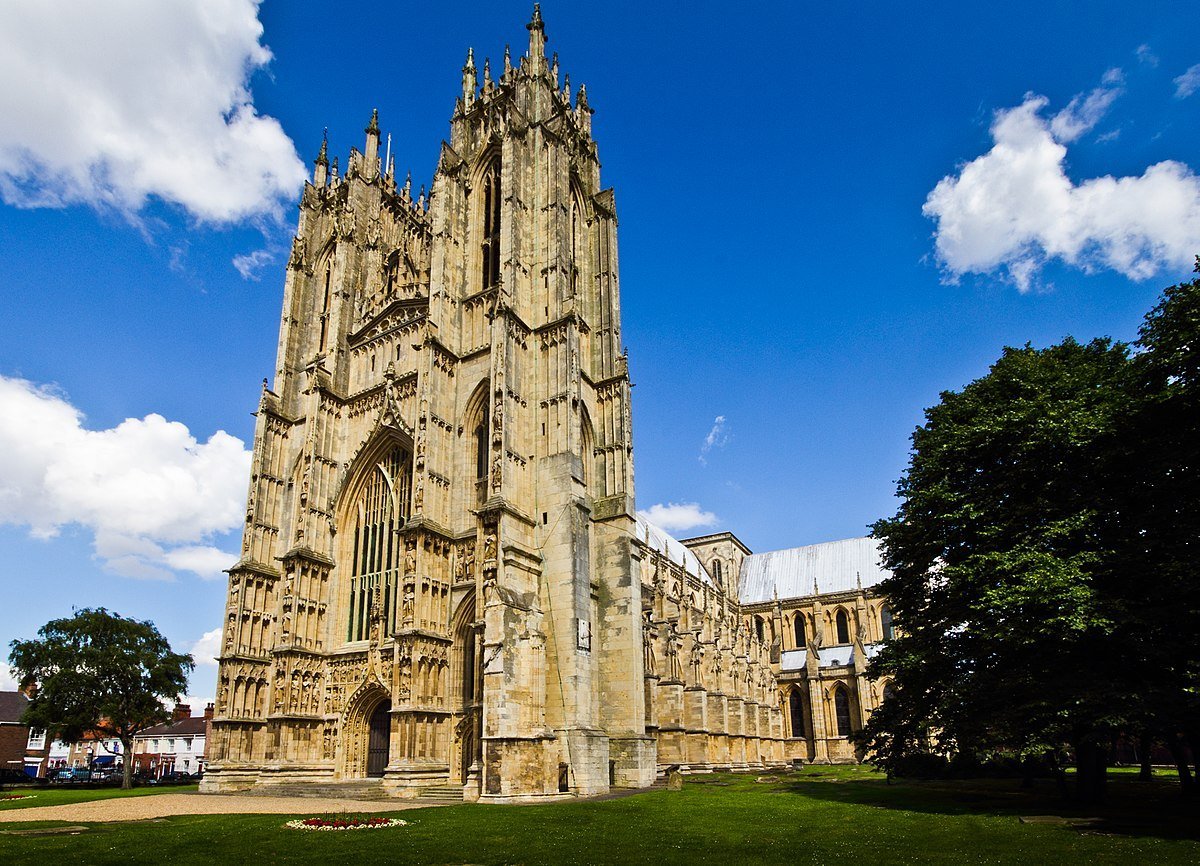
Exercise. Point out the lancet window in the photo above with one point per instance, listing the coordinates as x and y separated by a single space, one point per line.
798 631
796 711
489 247
380 512
841 709
842 623
885 622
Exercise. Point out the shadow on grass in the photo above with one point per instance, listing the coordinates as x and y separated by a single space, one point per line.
1133 808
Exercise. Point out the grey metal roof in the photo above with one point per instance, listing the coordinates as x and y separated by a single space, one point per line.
834 566
659 539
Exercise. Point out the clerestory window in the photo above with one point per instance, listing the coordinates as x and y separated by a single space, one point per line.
376 556
843 627
885 622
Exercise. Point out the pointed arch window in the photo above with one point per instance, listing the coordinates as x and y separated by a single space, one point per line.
716 571
798 631
885 622
576 238
489 246
796 712
376 554
325 303
758 627
842 623
841 709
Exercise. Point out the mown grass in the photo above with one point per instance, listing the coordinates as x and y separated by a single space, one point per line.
821 815
57 795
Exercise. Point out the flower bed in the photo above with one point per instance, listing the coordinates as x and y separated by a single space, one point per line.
344 823
6 798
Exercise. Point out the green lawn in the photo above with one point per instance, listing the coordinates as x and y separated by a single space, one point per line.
821 815
56 795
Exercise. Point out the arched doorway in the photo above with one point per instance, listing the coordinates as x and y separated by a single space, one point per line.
379 736
467 698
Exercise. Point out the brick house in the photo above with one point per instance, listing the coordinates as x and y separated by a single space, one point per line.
21 748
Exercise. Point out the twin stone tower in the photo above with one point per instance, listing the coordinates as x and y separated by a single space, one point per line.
443 580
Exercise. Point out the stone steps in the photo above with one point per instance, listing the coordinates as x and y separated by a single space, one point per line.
442 794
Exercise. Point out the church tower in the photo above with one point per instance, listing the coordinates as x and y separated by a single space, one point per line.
439 578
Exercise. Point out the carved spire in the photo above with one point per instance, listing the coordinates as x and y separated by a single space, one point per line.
487 75
321 172
583 111
408 185
371 157
566 91
470 82
554 70
507 61
537 34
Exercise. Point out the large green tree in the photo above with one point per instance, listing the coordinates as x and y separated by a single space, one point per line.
1152 516
98 672
994 555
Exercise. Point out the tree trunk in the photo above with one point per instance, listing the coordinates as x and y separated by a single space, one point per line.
1060 775
127 765
1091 761
1186 783
1193 741
1145 746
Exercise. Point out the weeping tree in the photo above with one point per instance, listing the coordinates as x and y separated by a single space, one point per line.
99 673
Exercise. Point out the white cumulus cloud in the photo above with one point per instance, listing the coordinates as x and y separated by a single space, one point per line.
206 650
1013 209
149 492
108 104
8 679
1188 83
678 516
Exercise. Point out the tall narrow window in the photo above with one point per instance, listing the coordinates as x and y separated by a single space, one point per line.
798 631
376 552
885 622
716 571
843 627
481 453
575 252
796 711
489 247
841 709
758 627
325 306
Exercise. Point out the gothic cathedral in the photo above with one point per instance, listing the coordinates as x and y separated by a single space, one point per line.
443 579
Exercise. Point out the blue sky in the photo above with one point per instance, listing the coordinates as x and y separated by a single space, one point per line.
829 213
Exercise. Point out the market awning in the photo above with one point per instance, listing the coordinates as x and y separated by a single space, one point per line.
103 760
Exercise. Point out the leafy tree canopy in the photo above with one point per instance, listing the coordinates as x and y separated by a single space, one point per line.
101 673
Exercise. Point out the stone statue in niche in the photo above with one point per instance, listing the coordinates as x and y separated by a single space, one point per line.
674 669
697 659
648 660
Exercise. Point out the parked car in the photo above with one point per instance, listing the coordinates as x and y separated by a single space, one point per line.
72 776
10 778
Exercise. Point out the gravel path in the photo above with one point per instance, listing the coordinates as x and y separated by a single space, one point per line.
163 805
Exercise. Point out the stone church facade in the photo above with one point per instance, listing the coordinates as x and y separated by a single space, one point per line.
443 579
